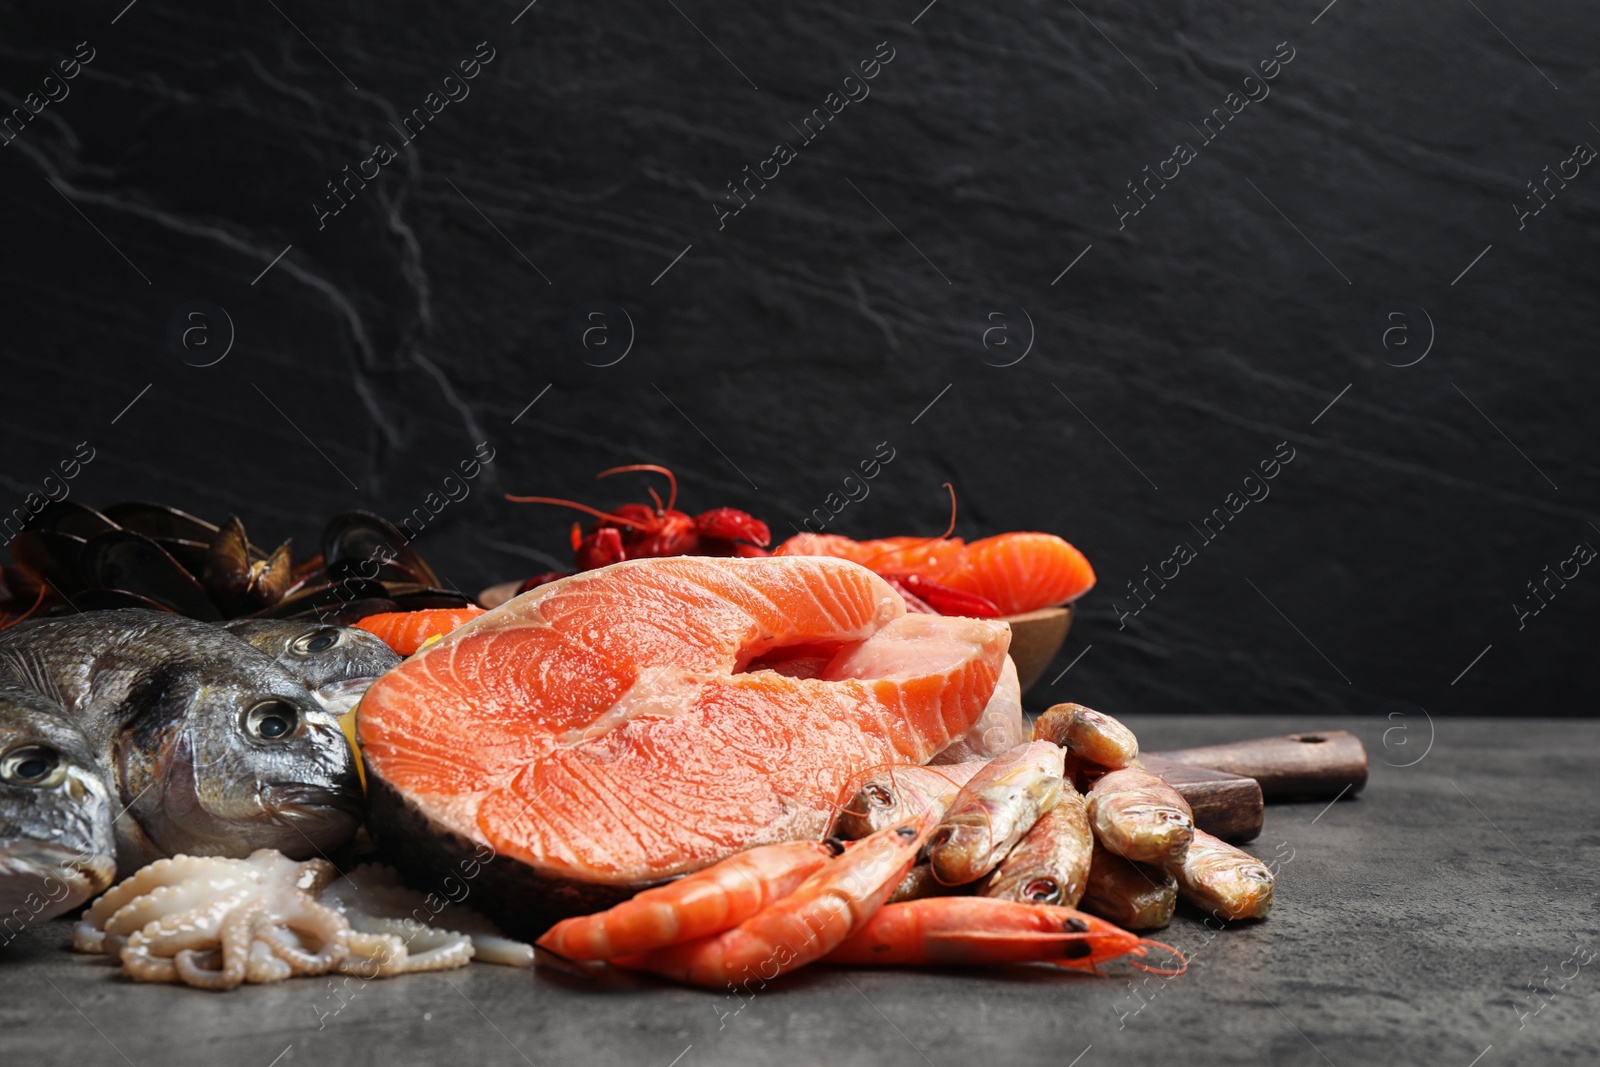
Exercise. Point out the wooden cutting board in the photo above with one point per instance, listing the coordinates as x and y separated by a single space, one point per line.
1227 785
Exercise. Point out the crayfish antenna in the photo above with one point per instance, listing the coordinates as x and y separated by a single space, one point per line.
585 508
1183 964
672 480
6 621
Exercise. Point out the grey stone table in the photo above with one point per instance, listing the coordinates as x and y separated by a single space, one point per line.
1444 916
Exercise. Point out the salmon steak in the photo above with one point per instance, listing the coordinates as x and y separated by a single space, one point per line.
614 729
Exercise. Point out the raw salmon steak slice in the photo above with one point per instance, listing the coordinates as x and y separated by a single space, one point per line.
628 724
1019 572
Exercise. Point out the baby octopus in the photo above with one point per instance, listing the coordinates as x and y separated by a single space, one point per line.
215 923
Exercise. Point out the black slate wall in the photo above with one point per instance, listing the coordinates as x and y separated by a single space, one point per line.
1359 205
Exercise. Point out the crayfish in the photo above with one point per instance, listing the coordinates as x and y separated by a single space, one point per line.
643 531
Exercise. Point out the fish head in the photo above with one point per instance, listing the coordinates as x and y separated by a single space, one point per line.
237 760
323 657
57 848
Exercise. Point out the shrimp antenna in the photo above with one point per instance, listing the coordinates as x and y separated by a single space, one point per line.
1183 964
585 508
672 480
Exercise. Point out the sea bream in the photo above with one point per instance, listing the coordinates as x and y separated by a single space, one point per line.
210 746
56 844
337 663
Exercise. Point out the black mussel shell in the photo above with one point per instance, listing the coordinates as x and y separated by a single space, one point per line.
51 558
236 575
111 599
71 517
160 522
191 555
359 544
128 562
325 599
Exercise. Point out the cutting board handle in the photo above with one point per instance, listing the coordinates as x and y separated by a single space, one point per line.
1323 763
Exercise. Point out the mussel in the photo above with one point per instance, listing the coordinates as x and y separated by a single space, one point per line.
138 554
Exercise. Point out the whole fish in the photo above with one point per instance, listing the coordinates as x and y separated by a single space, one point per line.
1050 865
210 747
918 883
898 794
994 810
1222 880
1140 817
1090 735
337 663
57 848
1133 896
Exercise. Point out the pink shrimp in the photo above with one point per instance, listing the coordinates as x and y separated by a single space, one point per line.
806 925
984 931
699 905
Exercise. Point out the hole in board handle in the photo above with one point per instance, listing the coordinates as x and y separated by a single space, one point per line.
1310 739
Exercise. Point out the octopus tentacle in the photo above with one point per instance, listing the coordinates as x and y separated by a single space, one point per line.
326 927
215 923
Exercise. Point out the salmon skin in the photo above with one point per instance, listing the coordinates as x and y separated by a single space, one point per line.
617 728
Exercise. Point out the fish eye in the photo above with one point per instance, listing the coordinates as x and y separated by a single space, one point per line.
272 720
31 765
879 796
316 641
1042 891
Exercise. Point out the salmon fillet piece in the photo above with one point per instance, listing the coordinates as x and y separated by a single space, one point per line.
620 726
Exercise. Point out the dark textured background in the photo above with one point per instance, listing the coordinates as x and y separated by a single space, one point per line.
777 353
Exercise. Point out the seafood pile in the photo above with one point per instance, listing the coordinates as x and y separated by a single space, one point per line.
983 863
694 755
215 923
73 558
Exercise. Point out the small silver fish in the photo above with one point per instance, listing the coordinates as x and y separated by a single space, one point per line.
211 747
57 848
1051 864
1140 817
1227 882
1090 735
900 794
1133 896
315 653
994 810
337 663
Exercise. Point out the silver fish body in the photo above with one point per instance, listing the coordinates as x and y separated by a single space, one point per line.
1140 817
994 810
210 746
1092 736
57 848
1132 895
1051 864
898 794
323 657
1223 880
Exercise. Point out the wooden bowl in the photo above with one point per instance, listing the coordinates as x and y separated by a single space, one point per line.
1036 637
496 595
